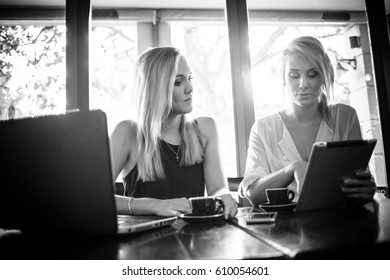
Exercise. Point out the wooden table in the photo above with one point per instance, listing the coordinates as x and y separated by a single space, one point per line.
180 241
349 233
332 234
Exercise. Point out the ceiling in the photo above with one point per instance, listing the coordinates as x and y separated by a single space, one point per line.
350 5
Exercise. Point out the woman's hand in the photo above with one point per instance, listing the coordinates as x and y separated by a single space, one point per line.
172 207
230 206
299 171
360 188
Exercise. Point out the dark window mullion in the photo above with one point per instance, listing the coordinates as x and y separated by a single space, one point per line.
78 18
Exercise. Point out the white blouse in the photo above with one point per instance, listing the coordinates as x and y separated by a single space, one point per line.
271 146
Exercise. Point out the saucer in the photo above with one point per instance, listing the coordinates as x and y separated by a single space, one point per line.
278 207
189 218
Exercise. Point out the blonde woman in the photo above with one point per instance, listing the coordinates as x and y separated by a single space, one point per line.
164 158
280 144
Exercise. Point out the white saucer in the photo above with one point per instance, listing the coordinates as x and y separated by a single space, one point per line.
278 207
189 218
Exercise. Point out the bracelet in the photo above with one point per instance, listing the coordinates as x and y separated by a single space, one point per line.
129 205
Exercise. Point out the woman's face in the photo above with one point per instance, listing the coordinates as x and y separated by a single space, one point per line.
182 90
303 82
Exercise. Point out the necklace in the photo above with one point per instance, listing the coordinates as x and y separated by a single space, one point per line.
176 153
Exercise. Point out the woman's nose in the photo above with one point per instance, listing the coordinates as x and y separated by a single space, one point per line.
302 82
189 88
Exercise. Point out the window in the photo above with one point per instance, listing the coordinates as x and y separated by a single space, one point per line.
32 75
113 51
206 47
114 47
32 63
33 69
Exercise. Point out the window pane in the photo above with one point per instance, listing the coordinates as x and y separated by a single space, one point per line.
206 49
32 70
113 51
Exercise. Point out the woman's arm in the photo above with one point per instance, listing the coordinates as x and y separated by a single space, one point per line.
354 125
279 179
361 187
258 176
121 141
150 206
216 182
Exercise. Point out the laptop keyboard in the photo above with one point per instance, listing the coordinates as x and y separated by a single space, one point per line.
126 220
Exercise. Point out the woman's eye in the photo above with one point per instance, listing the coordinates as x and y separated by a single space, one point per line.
293 75
180 81
312 74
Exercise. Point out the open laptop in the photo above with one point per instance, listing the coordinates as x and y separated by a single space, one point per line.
329 164
56 175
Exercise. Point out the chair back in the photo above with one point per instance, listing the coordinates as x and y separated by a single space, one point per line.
233 184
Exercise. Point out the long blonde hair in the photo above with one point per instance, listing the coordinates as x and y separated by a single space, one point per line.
311 50
154 79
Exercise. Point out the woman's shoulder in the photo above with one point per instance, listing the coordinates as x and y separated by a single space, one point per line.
207 121
340 107
270 118
126 128
342 111
269 121
207 125
127 125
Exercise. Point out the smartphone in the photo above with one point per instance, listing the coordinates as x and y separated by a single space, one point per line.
263 217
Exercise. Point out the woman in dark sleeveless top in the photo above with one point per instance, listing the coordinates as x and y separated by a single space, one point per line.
163 158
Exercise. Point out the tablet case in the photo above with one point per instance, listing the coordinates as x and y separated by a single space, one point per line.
328 164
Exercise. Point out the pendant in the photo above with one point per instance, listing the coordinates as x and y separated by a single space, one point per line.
177 158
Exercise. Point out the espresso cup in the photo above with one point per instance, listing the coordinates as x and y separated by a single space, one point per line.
205 206
279 196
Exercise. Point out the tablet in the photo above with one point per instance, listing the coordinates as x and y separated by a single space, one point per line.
329 163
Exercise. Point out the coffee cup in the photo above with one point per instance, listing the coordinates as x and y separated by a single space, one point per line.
278 196
205 206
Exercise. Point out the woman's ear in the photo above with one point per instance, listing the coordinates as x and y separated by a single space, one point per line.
323 89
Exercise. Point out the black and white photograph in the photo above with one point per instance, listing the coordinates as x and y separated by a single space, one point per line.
213 139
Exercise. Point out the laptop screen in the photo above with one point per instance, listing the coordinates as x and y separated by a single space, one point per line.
57 174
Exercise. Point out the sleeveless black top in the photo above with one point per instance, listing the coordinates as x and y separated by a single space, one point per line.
180 181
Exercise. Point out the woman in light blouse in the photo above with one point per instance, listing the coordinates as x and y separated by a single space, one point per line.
280 144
